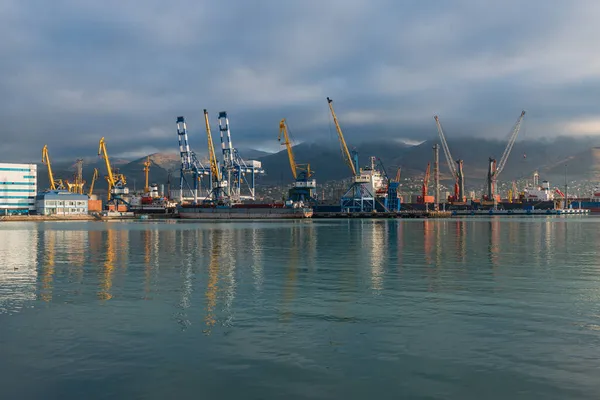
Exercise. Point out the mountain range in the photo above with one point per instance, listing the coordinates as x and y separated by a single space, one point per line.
549 157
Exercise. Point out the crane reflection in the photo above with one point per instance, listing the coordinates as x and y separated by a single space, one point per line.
47 273
213 280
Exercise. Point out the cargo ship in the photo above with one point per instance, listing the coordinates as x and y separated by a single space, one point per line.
591 203
151 202
286 210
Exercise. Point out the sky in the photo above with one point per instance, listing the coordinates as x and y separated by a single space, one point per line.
72 71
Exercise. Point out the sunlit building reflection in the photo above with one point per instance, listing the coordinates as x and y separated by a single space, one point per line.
18 272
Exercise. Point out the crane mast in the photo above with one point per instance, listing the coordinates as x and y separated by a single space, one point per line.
345 151
146 173
425 187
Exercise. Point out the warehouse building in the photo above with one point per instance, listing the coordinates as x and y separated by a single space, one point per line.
17 188
61 202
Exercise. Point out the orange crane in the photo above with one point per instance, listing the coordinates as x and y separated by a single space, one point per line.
424 198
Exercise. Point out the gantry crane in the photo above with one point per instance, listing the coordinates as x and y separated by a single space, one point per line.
360 197
94 177
116 181
189 165
303 187
218 184
495 169
457 173
235 169
54 184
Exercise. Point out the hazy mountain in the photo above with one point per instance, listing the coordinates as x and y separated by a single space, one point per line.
584 165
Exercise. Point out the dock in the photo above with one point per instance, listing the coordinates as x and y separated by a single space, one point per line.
398 214
520 212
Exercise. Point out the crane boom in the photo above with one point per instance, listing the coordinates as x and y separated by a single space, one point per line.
446 149
46 160
283 131
214 165
94 177
511 142
345 151
109 174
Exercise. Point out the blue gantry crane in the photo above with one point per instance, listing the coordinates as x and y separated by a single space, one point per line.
239 174
190 165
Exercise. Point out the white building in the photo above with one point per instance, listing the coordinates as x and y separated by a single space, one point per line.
18 186
61 202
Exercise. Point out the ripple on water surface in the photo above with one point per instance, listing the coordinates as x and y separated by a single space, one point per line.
465 308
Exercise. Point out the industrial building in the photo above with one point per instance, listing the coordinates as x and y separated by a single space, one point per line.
61 202
17 188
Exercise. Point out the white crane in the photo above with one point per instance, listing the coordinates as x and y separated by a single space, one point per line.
457 173
495 169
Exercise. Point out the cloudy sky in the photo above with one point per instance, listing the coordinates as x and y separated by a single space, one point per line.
72 71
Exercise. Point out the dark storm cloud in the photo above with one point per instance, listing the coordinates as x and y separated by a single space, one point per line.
73 71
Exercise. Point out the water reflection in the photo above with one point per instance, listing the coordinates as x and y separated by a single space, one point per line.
289 286
257 258
104 292
494 243
47 270
378 249
18 268
213 280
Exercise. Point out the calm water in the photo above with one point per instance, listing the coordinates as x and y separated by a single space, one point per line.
462 309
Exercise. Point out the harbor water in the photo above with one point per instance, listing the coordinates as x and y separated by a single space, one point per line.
480 308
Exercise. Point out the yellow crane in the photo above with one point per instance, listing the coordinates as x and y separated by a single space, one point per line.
146 171
54 184
78 182
94 177
296 168
115 180
214 165
345 151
